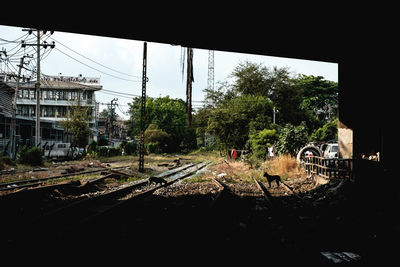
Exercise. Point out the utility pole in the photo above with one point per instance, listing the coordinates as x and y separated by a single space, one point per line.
13 151
273 118
14 112
189 80
143 109
37 84
111 126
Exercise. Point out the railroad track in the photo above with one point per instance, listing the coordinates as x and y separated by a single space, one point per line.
40 181
98 205
80 215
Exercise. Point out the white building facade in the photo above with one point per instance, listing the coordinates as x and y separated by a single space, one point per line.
57 95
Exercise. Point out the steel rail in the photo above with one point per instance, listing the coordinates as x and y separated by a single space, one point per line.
266 194
91 207
39 181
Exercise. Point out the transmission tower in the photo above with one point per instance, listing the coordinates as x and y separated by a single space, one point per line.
210 81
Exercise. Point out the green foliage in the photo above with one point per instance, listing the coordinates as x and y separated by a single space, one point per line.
326 132
260 141
231 122
236 113
252 79
154 134
102 151
77 125
130 148
92 147
32 156
292 138
152 147
321 95
158 139
170 117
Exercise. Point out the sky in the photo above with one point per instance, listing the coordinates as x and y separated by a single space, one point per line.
121 65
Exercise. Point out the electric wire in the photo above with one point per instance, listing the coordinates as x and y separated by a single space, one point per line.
94 68
104 66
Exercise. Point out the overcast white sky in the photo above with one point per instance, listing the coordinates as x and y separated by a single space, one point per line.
163 65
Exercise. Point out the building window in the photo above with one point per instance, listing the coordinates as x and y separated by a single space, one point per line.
46 94
25 111
65 95
52 111
61 112
26 93
33 94
53 94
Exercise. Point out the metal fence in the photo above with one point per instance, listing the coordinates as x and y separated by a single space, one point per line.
328 168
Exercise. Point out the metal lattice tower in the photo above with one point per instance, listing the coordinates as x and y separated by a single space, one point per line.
210 82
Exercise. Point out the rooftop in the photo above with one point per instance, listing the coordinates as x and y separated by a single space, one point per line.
59 85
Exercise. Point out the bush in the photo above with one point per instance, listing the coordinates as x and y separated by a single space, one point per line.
326 133
92 147
102 151
91 156
292 138
6 161
260 141
114 151
151 147
130 148
32 156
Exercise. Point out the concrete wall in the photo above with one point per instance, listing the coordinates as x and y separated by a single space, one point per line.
345 140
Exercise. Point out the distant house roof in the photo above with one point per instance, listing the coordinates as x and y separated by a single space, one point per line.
57 85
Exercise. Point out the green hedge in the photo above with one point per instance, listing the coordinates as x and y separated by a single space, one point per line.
32 156
109 151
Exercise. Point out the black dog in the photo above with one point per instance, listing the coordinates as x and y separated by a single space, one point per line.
271 178
156 180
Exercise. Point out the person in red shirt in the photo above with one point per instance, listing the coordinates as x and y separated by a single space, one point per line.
234 154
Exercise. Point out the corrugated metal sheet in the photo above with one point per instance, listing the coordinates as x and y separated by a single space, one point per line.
6 97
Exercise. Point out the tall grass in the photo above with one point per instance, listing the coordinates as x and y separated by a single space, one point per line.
284 166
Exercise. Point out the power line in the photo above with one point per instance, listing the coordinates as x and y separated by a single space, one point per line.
94 68
101 91
104 66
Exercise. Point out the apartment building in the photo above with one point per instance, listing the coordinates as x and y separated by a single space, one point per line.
57 95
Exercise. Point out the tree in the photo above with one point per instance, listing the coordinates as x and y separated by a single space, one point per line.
319 96
326 133
251 79
292 138
158 139
231 122
77 123
261 140
168 114
105 113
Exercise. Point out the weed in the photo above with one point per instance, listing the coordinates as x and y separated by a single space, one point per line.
285 166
